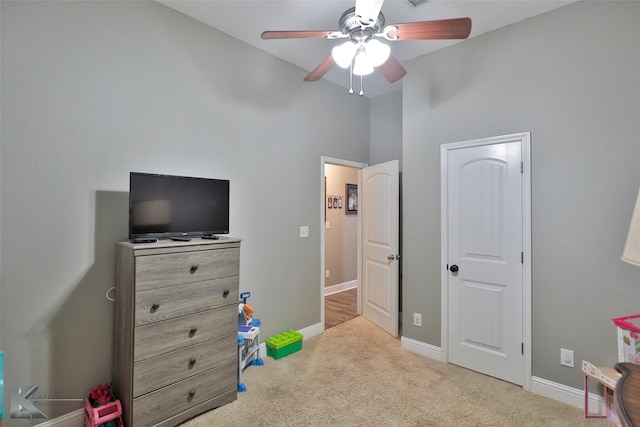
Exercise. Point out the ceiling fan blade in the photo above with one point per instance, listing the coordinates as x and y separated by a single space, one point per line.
268 35
392 70
368 10
320 70
458 28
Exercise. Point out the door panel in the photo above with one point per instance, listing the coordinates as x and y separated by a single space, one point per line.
485 241
379 207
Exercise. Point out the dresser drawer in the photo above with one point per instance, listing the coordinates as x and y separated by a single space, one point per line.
166 303
165 402
157 271
157 372
162 337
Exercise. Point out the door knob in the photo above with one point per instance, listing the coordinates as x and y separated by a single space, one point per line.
391 257
454 268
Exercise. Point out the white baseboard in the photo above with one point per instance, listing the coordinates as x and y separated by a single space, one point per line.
311 331
340 287
571 396
560 392
421 348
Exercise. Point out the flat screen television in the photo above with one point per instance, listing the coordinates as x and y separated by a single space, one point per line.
167 206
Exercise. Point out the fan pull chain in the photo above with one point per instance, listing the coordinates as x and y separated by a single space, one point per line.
351 77
361 91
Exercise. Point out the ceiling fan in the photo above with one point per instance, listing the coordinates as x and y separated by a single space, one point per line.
363 26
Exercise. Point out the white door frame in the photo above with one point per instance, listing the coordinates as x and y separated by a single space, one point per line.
339 162
524 138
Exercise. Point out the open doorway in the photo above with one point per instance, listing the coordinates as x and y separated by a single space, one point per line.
377 202
340 285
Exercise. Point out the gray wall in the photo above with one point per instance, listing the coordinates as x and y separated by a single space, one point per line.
341 238
94 90
385 114
570 77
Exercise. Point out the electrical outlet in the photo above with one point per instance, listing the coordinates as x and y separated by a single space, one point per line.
566 357
417 319
304 231
327 274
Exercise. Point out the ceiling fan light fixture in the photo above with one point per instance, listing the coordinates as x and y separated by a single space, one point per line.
377 52
360 25
343 54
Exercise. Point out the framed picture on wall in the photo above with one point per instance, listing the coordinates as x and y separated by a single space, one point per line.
352 199
330 202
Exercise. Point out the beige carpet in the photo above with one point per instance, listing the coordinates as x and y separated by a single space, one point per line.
357 375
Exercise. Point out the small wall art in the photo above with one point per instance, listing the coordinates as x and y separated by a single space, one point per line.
334 202
352 199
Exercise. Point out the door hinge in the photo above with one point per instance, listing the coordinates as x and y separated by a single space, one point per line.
522 348
521 167
521 257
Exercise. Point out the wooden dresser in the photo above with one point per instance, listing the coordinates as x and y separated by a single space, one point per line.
175 349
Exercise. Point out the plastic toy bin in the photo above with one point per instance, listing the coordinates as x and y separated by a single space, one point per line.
628 338
283 344
109 415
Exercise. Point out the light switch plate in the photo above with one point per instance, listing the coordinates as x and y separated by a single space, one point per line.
304 231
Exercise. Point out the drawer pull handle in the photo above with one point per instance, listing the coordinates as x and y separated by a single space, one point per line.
194 268
192 393
193 331
192 361
155 306
225 293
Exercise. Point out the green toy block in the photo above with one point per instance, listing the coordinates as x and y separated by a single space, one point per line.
283 344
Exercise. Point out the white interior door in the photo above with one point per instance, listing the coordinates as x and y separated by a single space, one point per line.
486 259
379 195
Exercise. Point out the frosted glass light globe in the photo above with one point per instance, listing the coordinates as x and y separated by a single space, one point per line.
343 54
362 64
377 52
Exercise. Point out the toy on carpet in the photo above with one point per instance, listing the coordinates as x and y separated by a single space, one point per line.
248 339
101 408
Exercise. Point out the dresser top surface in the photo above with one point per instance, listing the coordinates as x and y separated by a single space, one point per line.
168 243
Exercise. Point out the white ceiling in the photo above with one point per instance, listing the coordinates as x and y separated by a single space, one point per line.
247 19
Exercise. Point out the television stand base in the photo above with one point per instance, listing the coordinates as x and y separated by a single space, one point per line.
144 240
210 236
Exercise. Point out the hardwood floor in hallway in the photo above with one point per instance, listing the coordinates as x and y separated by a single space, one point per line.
340 307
